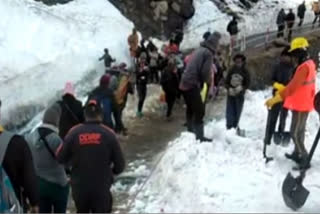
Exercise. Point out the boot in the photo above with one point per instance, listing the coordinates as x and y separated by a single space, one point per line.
294 156
198 129
241 132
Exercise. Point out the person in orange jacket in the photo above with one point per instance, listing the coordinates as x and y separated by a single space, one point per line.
298 96
133 42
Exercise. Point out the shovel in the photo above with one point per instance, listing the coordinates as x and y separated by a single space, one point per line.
264 152
293 192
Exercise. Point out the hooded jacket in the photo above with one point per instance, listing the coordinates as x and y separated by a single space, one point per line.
47 166
198 70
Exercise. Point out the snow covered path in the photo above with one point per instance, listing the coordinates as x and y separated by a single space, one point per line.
228 175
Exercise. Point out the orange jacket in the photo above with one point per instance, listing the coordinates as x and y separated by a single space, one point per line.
300 92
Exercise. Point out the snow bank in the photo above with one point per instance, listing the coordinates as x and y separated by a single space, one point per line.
257 20
43 47
230 174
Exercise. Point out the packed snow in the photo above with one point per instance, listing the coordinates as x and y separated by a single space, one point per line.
259 19
44 47
230 174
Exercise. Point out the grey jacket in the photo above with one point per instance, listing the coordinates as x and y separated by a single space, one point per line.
46 166
198 70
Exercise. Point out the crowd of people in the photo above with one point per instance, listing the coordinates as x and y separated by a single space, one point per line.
76 145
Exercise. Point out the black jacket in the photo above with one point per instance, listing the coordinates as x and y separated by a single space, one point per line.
18 164
142 74
107 60
95 155
301 10
71 114
170 82
282 73
290 18
238 75
232 27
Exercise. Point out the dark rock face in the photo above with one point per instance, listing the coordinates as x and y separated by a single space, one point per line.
156 17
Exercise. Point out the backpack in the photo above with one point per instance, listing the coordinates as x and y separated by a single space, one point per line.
122 89
8 199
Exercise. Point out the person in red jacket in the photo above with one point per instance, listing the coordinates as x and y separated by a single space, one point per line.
298 97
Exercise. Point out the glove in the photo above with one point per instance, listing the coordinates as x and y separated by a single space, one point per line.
274 100
278 87
204 92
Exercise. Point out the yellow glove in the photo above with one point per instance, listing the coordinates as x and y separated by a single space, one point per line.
204 92
279 87
274 100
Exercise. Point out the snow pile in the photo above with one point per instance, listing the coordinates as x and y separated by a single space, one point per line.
228 175
43 47
256 20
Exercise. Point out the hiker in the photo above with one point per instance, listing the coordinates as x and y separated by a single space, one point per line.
281 18
107 58
178 36
52 179
301 12
233 30
298 96
206 35
125 87
94 154
170 85
290 19
237 82
316 10
16 161
196 74
281 74
106 99
133 42
142 49
71 110
142 75
171 48
153 64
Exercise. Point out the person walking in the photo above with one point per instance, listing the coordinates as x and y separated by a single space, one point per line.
170 85
281 19
94 154
17 162
142 75
108 60
71 110
133 42
52 179
301 12
233 30
281 74
316 10
196 74
290 19
298 97
237 82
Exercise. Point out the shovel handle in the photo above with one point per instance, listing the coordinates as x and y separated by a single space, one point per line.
314 146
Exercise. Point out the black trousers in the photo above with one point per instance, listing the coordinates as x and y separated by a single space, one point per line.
92 201
298 128
142 93
280 31
273 116
234 110
290 26
195 112
154 75
170 100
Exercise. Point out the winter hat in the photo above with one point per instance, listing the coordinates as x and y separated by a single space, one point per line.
105 80
52 115
212 42
69 89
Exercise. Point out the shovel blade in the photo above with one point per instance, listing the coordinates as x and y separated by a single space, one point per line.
294 193
277 138
286 138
